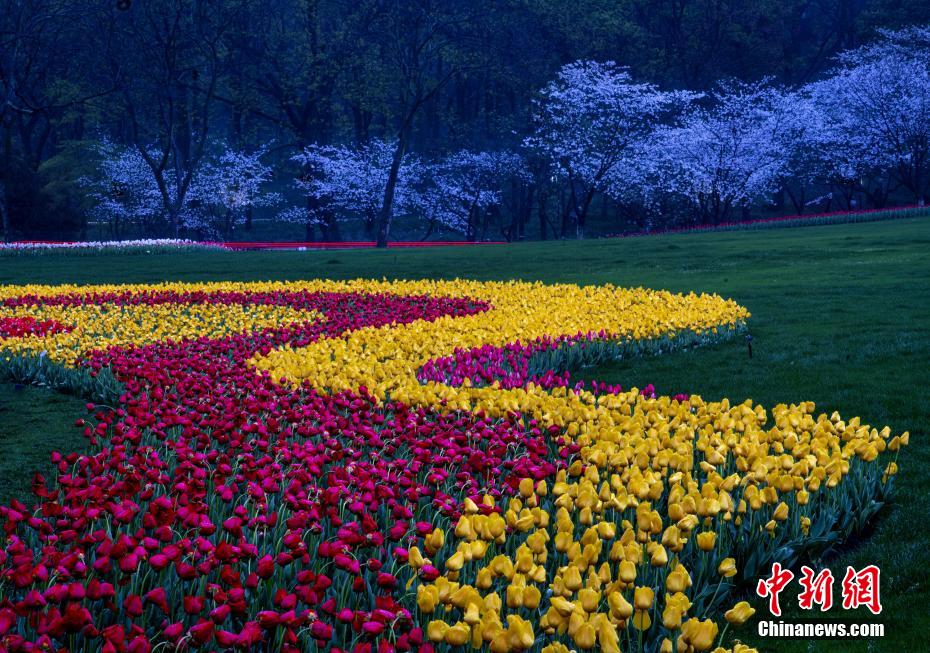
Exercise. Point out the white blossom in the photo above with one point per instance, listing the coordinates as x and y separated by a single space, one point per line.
461 186
592 123
351 179
728 154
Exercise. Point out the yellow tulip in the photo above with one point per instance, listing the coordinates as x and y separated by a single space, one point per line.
739 613
464 529
678 579
620 608
572 578
436 630
706 540
781 512
643 598
520 632
671 618
427 598
434 541
586 636
500 643
456 561
415 558
472 614
627 571
562 605
589 599
531 597
659 557
458 635
727 567
641 620
678 601
555 647
699 634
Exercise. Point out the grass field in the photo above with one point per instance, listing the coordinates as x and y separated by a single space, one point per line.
841 316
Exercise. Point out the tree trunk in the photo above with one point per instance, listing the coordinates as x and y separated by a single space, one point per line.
4 214
523 215
797 199
7 171
566 219
581 214
308 225
330 227
429 231
387 206
543 220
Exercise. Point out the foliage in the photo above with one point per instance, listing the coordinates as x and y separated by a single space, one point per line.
876 113
729 155
592 123
351 180
176 80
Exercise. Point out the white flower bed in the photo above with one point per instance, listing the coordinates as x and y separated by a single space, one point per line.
142 246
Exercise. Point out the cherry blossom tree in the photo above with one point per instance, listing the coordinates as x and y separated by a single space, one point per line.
798 124
461 189
589 123
227 188
123 191
876 111
224 188
350 180
728 154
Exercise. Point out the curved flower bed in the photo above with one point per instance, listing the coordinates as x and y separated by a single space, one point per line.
362 465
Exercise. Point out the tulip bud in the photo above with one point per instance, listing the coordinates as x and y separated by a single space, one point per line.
739 613
458 635
706 540
436 630
627 571
643 598
727 567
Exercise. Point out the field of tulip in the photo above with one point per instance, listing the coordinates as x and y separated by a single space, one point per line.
405 466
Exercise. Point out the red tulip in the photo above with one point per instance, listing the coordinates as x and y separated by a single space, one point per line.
132 604
159 598
202 632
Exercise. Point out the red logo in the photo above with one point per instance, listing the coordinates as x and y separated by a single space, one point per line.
860 588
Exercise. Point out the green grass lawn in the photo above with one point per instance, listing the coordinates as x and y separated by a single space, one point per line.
841 316
34 422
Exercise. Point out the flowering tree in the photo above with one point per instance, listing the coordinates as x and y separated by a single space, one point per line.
462 188
123 191
727 155
589 123
801 133
227 188
350 180
876 109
